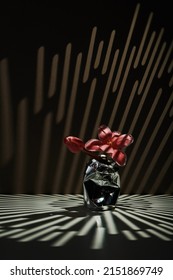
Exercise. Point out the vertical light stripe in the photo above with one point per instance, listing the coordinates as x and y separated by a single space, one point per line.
128 106
39 81
43 163
108 53
120 92
154 160
169 52
135 119
69 119
90 54
126 48
139 139
106 93
68 187
5 115
21 148
53 76
110 223
64 84
98 239
64 239
143 41
149 65
103 102
98 55
148 48
170 67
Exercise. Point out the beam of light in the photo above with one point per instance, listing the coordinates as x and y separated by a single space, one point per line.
148 48
81 135
162 173
129 235
134 216
21 154
10 233
126 48
98 55
156 233
50 236
166 226
120 92
170 67
149 213
38 234
37 221
41 227
141 136
143 234
106 93
87 227
53 76
108 53
72 223
98 238
171 112
171 82
128 106
64 239
147 71
153 162
169 52
38 103
60 163
126 221
148 217
64 83
90 54
11 221
44 155
143 40
5 115
152 137
110 224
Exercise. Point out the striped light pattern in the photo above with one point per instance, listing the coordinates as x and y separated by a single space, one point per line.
129 89
61 219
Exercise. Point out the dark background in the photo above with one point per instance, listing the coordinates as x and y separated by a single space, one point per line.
26 28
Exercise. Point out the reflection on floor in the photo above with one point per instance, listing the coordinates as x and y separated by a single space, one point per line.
60 227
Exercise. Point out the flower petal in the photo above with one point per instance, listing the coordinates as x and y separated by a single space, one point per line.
104 133
74 144
123 141
93 145
107 148
119 157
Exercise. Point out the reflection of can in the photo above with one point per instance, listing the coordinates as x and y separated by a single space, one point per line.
101 185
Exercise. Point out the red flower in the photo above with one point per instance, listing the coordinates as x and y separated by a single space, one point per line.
109 143
74 144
